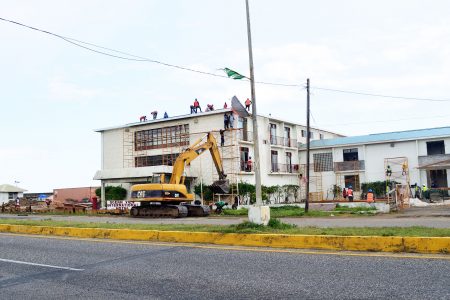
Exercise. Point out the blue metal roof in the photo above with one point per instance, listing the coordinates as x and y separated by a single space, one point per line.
382 137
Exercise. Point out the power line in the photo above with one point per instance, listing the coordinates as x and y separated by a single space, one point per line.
386 121
380 95
131 57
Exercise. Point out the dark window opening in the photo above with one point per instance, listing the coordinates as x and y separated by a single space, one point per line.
274 160
350 154
434 148
155 160
161 137
244 155
353 181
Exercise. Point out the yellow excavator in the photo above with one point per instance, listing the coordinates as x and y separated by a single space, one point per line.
170 198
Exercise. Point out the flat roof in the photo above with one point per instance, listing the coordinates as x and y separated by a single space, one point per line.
395 136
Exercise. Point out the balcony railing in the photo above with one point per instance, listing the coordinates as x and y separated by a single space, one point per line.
284 168
282 141
430 160
356 165
245 135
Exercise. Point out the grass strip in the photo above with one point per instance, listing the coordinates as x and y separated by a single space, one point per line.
275 226
295 211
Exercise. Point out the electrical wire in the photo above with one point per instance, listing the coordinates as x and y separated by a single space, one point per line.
379 95
132 57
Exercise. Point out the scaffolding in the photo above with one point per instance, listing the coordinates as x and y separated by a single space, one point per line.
230 154
397 182
315 183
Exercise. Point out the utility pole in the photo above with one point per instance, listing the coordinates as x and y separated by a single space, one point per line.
254 116
308 135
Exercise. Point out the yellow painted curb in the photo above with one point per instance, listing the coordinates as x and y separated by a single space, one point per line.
325 242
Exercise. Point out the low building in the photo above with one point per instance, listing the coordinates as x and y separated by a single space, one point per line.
10 192
414 156
133 153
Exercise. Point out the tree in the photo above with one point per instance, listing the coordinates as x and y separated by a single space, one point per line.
112 193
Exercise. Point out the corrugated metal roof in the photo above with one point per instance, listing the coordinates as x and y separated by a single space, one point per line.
8 188
382 137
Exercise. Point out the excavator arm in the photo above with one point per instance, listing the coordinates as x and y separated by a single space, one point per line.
193 152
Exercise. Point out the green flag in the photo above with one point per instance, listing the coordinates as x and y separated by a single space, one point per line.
233 74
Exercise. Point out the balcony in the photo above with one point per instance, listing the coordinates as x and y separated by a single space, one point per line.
282 141
356 165
285 168
434 161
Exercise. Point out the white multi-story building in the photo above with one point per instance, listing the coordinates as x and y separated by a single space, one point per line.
414 156
132 153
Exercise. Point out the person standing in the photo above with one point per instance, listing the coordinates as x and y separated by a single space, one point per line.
247 104
225 105
344 193
249 164
388 171
222 137
231 120
226 121
154 114
350 193
370 196
166 115
197 105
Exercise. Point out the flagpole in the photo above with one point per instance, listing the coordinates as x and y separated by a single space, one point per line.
254 116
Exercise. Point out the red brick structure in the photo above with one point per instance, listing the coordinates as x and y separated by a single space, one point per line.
78 194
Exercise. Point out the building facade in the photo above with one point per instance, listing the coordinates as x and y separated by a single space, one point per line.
10 192
414 157
133 153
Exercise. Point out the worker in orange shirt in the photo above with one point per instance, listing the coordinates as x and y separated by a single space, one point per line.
370 196
247 104
350 193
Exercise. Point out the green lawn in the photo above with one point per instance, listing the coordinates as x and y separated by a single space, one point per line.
276 227
295 211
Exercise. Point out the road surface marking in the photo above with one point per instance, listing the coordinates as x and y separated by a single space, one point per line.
39 265
245 249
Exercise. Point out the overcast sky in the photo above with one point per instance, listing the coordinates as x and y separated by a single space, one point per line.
54 94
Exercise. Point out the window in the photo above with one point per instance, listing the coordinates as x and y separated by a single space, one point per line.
350 154
274 160
434 148
352 180
273 134
321 136
287 137
243 129
12 196
288 162
323 162
303 133
244 155
155 160
162 137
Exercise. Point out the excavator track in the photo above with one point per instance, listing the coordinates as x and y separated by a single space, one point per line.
159 211
197 210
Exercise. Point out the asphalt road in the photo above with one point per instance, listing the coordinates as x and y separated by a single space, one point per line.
373 221
119 270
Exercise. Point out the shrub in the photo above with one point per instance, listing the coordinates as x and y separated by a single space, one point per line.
112 193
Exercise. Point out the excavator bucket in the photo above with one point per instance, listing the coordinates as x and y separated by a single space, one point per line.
221 186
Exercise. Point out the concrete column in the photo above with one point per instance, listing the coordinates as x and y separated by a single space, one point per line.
103 197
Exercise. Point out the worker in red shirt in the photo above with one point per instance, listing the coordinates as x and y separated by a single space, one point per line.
249 164
247 104
197 106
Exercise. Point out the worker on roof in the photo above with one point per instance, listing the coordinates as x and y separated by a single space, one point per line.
166 115
197 106
209 107
225 105
143 119
154 114
247 104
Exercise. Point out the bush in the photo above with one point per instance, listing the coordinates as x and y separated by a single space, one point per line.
112 193
378 188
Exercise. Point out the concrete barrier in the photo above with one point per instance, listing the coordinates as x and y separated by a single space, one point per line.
324 242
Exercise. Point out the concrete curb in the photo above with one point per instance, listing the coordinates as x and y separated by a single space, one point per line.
325 242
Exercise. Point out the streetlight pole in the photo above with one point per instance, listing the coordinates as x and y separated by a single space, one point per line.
254 116
308 135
